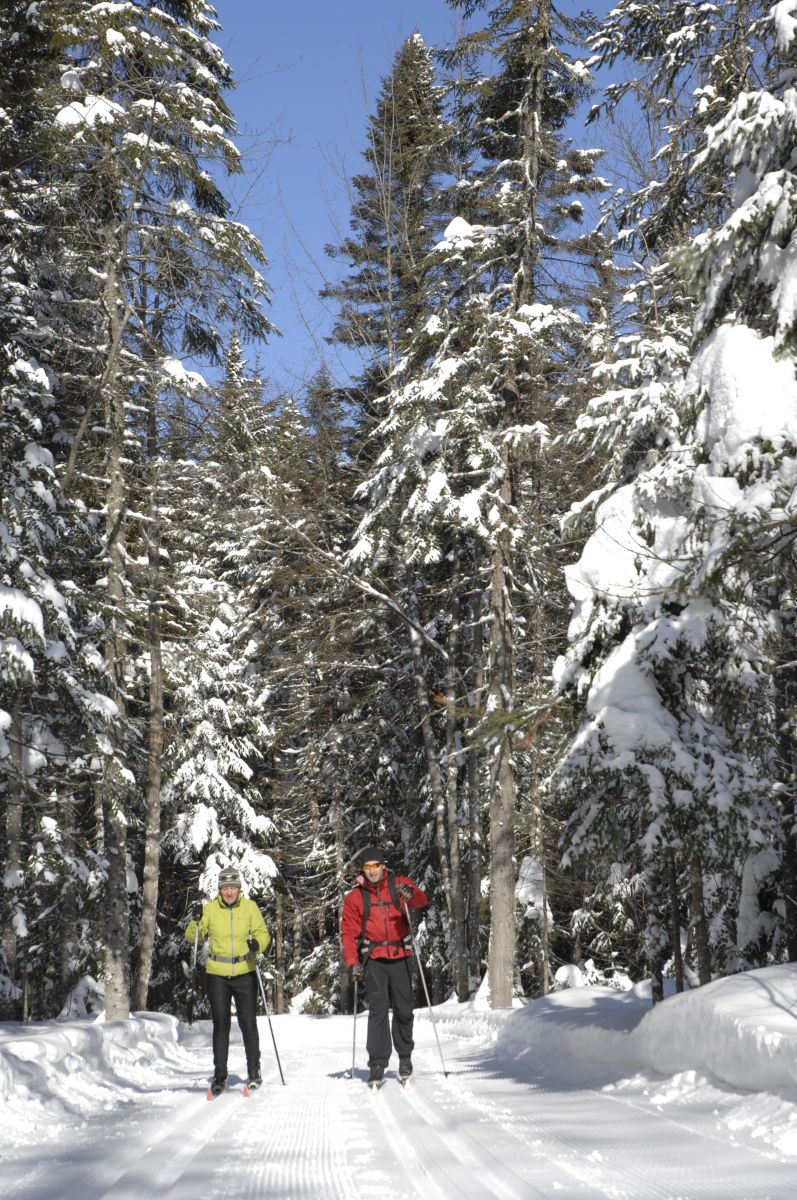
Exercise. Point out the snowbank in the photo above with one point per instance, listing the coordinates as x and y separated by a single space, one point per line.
85 1064
742 1029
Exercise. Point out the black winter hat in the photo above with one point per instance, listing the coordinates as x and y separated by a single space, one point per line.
370 854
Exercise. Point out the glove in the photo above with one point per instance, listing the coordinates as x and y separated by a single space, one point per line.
405 892
196 911
252 944
356 973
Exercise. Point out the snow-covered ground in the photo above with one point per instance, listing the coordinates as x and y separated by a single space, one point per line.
586 1094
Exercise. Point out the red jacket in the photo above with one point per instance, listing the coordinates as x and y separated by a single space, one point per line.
386 923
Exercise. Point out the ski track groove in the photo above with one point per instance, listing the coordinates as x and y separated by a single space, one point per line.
416 1168
527 1170
302 1150
702 1176
165 1161
430 1127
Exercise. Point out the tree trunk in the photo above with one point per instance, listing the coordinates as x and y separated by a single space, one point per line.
657 941
501 958
675 922
789 874
475 832
535 797
64 813
432 765
785 679
698 922
117 921
459 956
15 798
346 991
296 956
117 918
152 798
279 953
501 700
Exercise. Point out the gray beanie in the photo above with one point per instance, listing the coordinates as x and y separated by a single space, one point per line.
229 877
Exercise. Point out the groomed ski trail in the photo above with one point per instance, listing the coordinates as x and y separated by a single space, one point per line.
490 1131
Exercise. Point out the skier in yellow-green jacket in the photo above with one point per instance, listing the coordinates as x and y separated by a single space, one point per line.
237 932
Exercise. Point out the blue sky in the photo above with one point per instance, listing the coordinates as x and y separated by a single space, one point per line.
308 72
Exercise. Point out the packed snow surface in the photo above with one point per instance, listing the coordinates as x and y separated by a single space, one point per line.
588 1093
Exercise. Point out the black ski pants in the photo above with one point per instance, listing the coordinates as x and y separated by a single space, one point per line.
388 984
221 989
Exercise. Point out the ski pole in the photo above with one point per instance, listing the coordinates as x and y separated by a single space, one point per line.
268 1018
354 1030
193 974
425 988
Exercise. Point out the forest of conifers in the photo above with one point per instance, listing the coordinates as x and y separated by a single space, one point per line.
515 600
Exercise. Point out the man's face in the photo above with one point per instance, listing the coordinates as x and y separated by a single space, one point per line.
229 893
374 871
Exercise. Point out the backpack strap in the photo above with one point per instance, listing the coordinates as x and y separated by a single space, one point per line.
391 887
365 896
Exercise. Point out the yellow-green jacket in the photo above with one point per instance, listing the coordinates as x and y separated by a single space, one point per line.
228 928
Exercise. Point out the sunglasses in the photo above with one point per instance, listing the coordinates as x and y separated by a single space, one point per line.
370 866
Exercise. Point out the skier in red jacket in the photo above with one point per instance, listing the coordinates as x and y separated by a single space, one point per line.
374 933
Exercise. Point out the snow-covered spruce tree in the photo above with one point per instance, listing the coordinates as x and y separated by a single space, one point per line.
222 724
392 223
53 709
156 266
743 273
458 479
680 630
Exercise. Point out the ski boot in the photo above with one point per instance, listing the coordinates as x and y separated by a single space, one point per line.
376 1078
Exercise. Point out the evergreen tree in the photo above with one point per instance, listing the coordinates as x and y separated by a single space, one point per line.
54 711
673 646
393 220
222 717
